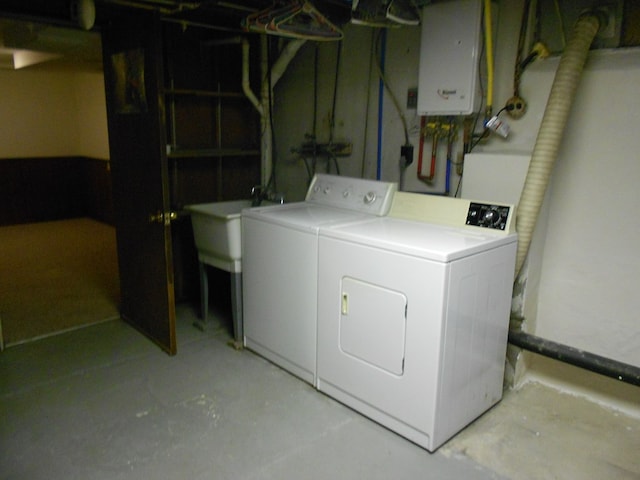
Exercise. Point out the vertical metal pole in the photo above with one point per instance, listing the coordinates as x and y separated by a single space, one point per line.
383 47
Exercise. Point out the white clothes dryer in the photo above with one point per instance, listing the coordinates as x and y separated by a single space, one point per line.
413 313
280 266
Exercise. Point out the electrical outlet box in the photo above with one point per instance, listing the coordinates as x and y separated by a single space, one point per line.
412 98
449 58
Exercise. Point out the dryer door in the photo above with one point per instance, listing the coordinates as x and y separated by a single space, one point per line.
373 324
380 326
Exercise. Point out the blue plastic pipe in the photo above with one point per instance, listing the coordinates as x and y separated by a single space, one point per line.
447 185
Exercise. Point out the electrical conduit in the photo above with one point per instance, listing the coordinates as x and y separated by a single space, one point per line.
488 32
545 150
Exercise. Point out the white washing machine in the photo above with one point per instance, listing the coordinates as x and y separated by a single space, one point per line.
413 313
280 266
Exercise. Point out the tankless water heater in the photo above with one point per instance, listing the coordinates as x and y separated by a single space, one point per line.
449 58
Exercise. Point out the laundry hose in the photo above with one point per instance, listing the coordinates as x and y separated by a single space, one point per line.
545 150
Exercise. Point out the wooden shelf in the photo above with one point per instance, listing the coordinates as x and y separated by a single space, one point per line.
212 152
203 93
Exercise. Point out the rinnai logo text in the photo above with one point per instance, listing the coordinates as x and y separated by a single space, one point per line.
444 93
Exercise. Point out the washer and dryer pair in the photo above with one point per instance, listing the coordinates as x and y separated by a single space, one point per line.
280 266
408 320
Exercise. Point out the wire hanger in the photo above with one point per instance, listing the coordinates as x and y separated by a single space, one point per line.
294 19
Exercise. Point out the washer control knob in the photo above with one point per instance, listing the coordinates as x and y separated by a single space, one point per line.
327 190
346 193
370 197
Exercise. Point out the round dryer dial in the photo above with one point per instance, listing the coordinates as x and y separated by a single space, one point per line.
370 197
492 217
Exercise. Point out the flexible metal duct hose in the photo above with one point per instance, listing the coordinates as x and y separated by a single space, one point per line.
551 130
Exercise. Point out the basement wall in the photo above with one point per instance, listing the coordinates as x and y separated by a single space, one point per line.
53 113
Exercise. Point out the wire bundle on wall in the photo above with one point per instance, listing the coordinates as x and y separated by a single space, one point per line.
311 148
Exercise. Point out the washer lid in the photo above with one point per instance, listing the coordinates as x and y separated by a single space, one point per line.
304 215
434 242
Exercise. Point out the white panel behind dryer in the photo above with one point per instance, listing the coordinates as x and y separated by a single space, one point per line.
495 177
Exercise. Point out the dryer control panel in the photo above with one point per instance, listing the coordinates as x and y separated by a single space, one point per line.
455 212
358 194
488 216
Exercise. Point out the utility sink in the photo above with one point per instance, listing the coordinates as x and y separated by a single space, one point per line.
217 235
216 231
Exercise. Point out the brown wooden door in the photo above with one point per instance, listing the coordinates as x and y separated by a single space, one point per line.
132 52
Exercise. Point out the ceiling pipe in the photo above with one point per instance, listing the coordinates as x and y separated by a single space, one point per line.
191 23
83 13
287 54
79 14
278 69
166 7
236 6
246 86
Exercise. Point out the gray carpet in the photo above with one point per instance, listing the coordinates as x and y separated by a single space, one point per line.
56 276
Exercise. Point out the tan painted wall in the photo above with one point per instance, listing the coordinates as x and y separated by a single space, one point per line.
46 113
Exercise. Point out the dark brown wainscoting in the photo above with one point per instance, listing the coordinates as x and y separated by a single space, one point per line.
54 188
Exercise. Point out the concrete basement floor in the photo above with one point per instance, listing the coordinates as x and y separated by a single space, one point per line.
103 402
537 432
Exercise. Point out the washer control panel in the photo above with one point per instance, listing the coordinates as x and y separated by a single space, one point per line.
359 194
488 215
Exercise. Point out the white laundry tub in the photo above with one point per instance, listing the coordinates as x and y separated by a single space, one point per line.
216 231
217 235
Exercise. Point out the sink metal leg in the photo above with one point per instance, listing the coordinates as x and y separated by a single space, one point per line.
204 297
236 305
236 310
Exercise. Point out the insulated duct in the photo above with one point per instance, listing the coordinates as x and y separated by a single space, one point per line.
545 150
